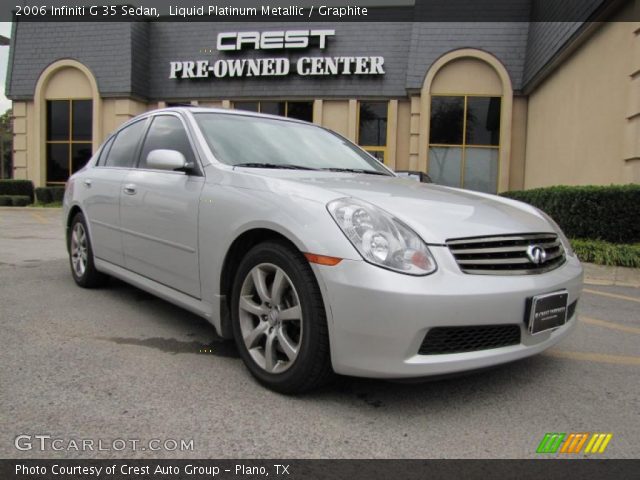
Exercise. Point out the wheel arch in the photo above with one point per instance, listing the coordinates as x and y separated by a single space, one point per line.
236 252
73 211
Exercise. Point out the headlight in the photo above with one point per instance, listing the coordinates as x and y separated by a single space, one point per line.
380 238
563 238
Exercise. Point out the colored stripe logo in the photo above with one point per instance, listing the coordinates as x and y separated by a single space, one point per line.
598 443
573 443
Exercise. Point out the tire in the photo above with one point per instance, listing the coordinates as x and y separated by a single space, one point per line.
83 268
281 333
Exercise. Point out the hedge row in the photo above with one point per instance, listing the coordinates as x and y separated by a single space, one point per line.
14 200
49 194
604 253
17 187
609 213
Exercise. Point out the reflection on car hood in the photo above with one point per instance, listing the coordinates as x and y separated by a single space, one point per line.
435 212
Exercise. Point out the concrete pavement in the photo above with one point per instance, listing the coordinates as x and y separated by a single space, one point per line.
117 363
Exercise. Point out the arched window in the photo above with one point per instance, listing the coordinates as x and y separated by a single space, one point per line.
466 109
68 138
464 141
67 106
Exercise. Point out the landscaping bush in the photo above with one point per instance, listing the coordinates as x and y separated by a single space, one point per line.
17 187
5 201
604 253
45 195
57 194
609 213
20 200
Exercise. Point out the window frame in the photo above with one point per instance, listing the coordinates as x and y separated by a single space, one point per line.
372 149
197 167
115 139
69 141
148 120
464 145
105 148
286 107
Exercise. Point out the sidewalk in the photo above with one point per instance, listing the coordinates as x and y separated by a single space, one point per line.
618 276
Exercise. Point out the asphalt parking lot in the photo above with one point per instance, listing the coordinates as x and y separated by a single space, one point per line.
117 363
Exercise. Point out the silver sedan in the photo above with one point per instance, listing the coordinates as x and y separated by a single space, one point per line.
312 255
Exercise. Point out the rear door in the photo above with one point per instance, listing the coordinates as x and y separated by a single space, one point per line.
102 187
159 211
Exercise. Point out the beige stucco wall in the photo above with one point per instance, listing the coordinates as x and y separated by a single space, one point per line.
335 116
518 143
403 135
20 136
116 111
211 103
580 126
466 75
62 80
68 82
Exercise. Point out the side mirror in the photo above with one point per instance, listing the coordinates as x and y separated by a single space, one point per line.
167 160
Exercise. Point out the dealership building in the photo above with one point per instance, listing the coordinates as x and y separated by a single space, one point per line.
490 106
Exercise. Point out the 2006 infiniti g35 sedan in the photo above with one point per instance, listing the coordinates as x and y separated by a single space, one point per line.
314 256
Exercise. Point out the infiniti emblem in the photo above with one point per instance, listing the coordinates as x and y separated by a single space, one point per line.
536 254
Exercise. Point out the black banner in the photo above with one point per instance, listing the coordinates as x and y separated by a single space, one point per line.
311 10
547 469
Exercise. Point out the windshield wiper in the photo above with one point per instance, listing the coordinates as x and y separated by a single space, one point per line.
355 170
284 166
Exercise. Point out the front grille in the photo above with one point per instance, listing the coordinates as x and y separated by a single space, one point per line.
443 340
571 310
506 254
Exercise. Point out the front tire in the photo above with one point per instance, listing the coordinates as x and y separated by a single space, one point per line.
83 268
279 321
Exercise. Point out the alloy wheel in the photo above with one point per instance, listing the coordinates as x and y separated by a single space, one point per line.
79 249
270 316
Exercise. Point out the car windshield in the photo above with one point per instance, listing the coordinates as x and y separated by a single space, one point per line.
243 140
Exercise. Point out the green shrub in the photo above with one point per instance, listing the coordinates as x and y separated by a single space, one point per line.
17 187
57 194
45 195
5 201
609 213
604 253
20 200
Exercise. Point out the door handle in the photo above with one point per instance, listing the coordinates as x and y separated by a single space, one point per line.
130 189
87 183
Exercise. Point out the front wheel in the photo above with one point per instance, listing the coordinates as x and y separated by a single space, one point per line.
279 321
83 268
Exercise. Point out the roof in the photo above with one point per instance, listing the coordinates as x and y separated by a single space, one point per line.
131 59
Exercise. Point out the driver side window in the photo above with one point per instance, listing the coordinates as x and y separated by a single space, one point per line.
167 132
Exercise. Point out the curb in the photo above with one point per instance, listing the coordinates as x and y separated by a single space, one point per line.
615 276
29 209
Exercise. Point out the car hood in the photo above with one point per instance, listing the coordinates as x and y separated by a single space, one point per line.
435 212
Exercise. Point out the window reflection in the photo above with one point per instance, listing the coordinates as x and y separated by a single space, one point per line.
464 141
69 133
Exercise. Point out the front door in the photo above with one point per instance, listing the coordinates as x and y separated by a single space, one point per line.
159 213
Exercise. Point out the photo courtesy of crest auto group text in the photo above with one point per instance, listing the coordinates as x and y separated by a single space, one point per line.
294 239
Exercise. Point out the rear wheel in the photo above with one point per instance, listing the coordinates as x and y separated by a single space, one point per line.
279 321
83 268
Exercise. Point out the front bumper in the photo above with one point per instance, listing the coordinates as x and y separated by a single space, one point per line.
378 318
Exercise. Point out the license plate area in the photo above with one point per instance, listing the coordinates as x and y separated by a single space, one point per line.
546 312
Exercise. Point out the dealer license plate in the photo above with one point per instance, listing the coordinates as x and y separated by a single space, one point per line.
547 311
